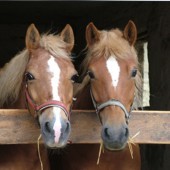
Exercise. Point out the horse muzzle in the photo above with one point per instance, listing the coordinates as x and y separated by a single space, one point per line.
55 127
115 138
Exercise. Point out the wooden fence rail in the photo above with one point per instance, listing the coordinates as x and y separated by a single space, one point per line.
18 127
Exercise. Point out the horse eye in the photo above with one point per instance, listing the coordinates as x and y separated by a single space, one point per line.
134 72
91 75
75 78
29 77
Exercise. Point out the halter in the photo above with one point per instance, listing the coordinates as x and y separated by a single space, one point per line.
51 103
112 102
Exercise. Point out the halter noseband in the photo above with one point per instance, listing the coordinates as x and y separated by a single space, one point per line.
39 108
111 102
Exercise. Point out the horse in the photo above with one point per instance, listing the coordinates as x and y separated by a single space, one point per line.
112 85
40 78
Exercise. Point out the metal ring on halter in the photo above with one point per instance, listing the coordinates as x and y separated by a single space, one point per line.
110 102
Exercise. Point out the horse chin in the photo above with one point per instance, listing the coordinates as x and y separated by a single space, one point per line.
113 147
56 145
51 143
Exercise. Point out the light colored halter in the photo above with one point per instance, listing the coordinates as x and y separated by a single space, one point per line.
112 102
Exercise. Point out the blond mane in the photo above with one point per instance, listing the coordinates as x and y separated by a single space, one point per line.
11 75
113 43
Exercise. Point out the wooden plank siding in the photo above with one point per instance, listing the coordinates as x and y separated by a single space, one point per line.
18 127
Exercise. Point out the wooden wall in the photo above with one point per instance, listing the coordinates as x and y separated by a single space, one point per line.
159 68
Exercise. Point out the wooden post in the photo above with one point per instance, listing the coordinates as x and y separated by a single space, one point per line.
18 127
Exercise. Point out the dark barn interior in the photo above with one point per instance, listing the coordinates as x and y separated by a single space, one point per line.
153 24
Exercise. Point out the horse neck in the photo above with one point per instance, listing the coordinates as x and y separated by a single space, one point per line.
19 103
84 99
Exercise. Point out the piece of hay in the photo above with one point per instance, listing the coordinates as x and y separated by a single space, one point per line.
130 142
39 154
100 150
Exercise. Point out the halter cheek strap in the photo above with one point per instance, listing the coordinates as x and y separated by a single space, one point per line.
52 103
111 102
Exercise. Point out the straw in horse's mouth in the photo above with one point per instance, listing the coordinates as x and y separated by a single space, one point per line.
39 154
100 150
130 142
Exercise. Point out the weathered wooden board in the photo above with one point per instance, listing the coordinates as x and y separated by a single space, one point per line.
18 126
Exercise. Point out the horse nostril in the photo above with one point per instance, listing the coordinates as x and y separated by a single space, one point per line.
67 127
106 133
126 132
47 127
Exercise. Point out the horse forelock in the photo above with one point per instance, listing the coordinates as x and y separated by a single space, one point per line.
11 75
55 45
112 43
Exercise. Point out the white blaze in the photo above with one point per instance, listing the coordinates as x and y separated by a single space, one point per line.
114 70
57 124
54 69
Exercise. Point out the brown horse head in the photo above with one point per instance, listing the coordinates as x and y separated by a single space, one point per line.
49 82
112 65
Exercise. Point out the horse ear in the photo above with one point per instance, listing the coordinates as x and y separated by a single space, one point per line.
92 34
130 32
32 37
67 36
